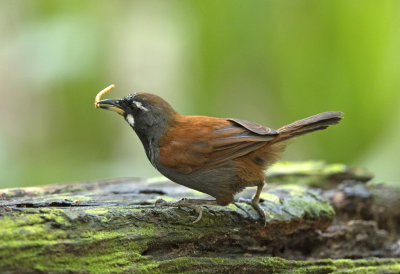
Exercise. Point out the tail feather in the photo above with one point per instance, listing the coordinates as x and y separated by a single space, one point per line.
272 151
316 122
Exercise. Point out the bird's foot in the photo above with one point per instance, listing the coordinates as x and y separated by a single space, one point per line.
181 203
254 204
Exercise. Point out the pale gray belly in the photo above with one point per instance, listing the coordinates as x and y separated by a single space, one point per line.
215 182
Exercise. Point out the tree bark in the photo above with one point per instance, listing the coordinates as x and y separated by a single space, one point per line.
113 226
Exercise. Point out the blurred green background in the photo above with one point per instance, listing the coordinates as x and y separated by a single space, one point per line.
271 62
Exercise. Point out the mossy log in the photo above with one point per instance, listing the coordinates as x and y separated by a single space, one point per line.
113 226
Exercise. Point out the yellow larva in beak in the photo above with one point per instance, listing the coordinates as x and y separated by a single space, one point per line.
109 104
100 94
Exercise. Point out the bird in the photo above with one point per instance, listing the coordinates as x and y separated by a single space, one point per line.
216 156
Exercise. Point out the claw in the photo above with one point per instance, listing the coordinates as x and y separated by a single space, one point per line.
255 205
181 203
260 211
199 210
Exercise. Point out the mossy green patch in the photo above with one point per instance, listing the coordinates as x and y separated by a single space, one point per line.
270 197
334 169
139 238
306 167
314 173
231 206
295 190
45 243
267 265
166 198
96 210
29 235
310 208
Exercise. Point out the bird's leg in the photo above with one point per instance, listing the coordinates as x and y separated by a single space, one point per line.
254 202
194 204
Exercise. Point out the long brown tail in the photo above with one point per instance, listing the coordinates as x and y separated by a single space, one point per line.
316 122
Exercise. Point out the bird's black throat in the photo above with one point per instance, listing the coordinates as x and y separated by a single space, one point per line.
150 130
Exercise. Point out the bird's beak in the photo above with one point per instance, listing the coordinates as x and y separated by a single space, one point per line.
111 104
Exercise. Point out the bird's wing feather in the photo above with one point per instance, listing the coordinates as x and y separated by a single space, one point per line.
204 142
254 127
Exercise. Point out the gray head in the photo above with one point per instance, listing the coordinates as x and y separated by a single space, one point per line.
148 114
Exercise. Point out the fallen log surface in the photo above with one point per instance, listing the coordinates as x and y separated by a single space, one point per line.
113 226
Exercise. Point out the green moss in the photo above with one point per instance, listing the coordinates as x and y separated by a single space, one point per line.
311 209
270 197
295 190
231 206
117 238
268 265
96 210
95 259
344 263
33 218
54 215
317 269
165 198
273 264
334 169
36 247
120 251
306 167
314 173
373 269
302 201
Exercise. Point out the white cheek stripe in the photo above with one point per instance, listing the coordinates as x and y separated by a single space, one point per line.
130 119
139 105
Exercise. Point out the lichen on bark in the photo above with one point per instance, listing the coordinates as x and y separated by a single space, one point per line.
113 226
